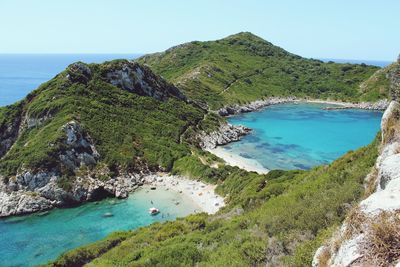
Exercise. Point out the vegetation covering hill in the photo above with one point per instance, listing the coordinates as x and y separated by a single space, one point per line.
376 86
122 117
278 219
243 67
133 119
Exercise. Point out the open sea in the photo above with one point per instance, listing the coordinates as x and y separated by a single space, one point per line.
22 73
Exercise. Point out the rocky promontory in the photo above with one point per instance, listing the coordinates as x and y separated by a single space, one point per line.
254 106
226 133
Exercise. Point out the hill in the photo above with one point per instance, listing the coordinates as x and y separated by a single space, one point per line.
89 125
243 67
92 130
277 219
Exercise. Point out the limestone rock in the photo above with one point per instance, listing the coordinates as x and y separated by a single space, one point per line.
225 134
79 72
253 106
141 80
80 148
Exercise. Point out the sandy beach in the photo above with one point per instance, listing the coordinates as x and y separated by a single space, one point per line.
202 194
236 160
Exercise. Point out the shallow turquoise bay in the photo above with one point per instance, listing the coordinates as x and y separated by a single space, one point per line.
303 135
34 239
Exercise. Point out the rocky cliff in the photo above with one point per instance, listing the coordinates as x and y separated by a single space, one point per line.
86 135
370 235
225 134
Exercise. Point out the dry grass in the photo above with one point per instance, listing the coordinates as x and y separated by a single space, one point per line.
382 241
370 182
324 257
355 223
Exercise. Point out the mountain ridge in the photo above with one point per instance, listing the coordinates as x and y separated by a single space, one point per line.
243 67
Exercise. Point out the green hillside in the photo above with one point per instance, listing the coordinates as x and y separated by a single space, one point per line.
96 121
129 129
280 218
243 67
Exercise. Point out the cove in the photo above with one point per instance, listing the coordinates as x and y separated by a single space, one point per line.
38 238
302 135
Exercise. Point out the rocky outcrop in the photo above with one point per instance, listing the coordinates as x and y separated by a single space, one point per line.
139 79
259 104
16 203
374 221
253 106
79 72
80 150
370 235
36 190
129 76
378 105
225 134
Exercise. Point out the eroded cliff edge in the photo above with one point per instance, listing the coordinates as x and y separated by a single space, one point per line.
93 131
370 235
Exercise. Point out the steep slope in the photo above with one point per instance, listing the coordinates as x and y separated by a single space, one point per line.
243 67
88 133
278 219
370 235
376 87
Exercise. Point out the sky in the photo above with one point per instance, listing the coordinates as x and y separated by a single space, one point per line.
347 29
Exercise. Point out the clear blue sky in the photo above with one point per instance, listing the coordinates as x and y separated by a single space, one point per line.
351 29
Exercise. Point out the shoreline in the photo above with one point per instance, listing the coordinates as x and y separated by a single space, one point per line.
201 194
238 161
253 165
260 104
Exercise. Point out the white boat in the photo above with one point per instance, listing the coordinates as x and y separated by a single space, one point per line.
154 211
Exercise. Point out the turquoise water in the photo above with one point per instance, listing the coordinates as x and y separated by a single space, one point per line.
34 239
300 136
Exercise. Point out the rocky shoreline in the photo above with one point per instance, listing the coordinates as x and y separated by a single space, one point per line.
259 104
254 106
379 105
225 134
31 193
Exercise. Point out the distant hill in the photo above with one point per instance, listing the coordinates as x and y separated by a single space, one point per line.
244 67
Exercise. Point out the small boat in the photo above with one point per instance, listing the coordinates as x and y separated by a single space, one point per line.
108 214
154 211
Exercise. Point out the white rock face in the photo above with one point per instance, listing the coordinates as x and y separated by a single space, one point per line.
22 203
80 148
225 134
385 198
348 252
135 78
255 105
32 191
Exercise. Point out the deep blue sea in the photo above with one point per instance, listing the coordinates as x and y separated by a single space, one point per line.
22 73
300 136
